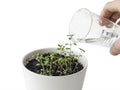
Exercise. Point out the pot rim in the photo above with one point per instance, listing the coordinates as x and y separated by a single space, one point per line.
52 48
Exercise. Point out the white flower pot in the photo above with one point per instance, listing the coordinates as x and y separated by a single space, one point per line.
36 81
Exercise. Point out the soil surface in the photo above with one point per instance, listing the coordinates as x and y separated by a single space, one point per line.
32 66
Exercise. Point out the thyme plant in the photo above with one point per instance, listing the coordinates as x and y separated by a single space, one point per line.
65 62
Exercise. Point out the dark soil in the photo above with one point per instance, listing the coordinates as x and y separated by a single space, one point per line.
31 65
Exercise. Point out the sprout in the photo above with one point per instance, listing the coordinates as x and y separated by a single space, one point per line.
57 64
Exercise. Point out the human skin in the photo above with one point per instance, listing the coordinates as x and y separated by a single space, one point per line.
111 11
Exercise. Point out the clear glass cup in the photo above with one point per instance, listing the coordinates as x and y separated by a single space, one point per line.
88 27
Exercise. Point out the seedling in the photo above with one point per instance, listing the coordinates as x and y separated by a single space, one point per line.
65 62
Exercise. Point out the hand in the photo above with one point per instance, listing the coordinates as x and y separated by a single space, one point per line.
111 11
115 49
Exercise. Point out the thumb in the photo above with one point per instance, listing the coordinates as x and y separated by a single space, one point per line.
115 49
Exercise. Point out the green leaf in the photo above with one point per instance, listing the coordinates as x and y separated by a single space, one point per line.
38 64
65 72
70 38
82 49
60 59
70 35
74 44
66 44
46 62
59 45
58 48
68 48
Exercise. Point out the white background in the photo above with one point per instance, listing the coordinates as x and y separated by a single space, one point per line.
26 25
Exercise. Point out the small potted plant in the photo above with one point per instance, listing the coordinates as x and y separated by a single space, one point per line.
58 68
